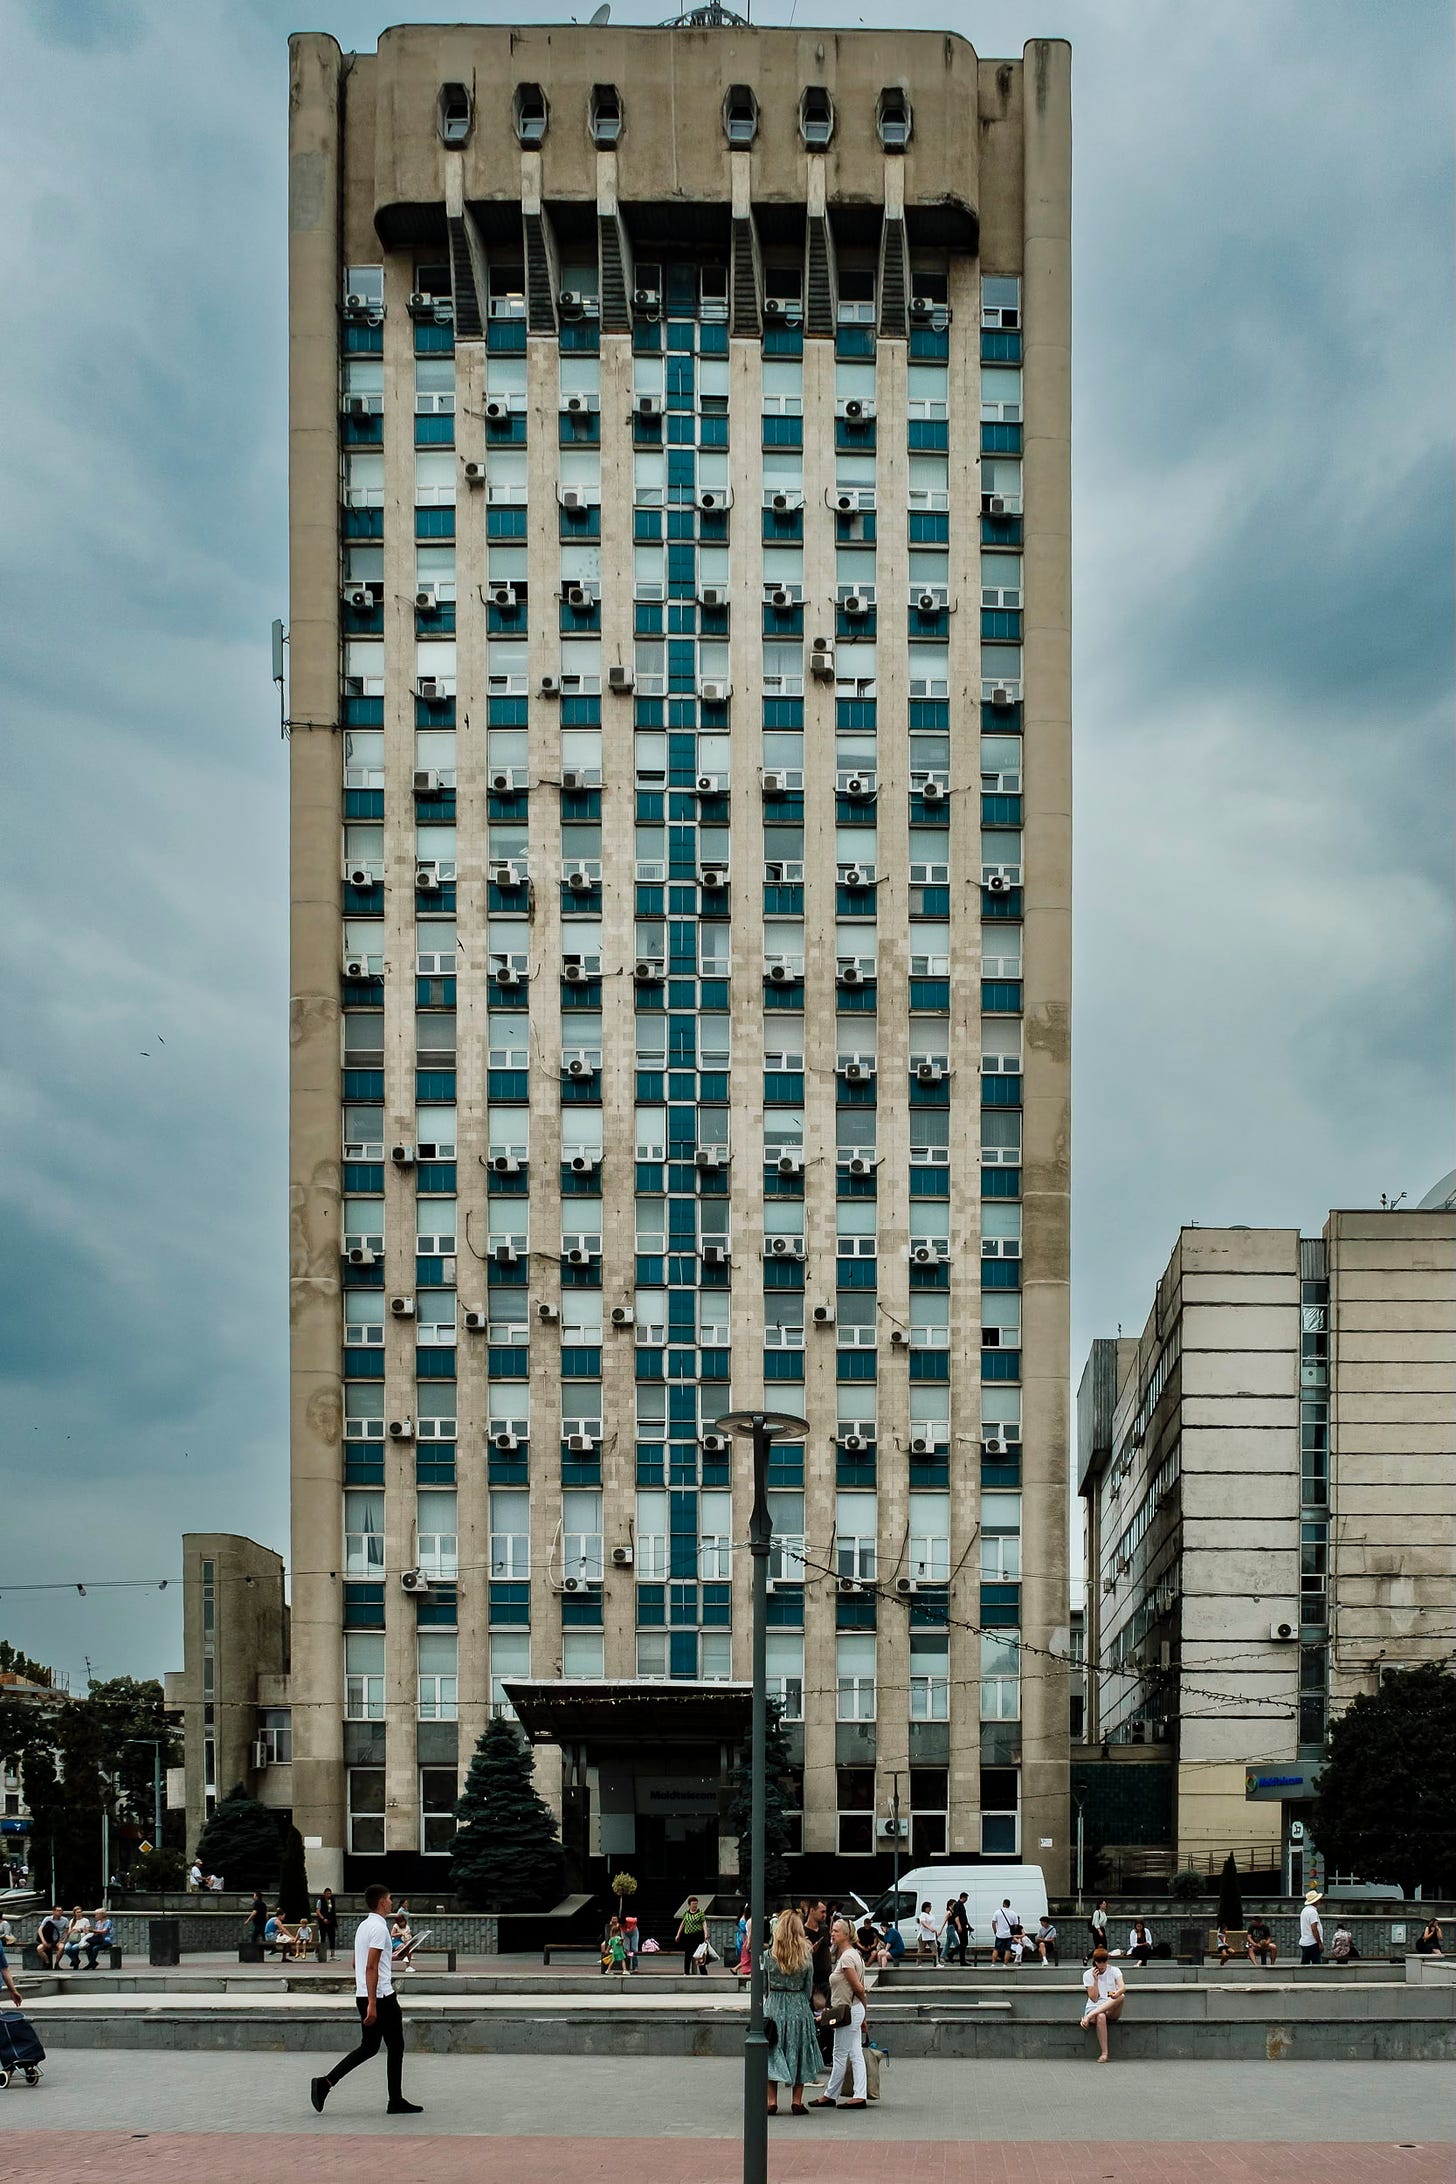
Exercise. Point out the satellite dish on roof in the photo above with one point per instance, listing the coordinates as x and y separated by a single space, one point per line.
603 14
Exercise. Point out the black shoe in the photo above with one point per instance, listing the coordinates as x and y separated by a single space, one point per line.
404 2108
318 2092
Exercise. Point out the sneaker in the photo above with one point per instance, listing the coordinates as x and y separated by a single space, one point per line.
318 2092
404 2108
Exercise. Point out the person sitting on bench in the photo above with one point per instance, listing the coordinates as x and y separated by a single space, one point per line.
1261 1945
102 1936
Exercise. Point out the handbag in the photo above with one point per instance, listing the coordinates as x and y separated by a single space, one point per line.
835 2014
771 2032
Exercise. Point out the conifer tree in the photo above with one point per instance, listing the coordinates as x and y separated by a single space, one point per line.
777 1835
240 1843
506 1855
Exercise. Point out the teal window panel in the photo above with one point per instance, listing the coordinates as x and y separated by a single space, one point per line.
363 523
783 621
435 1178
364 1176
855 1273
864 528
783 431
363 341
717 1607
439 1608
651 1606
713 1365
1000 720
507 1364
1001 996
930 1471
1000 439
435 1464
649 1366
713 432
364 1084
363 1607
713 1086
510 713
581 336
362 431
782 1365
854 1365
1002 624
647 526
363 1463
1000 1471
929 527
434 431
785 713
646 337
855 713
505 1467
930 1095
853 438
1000 1182
505 337
363 712
363 803
713 995
934 902
430 1272
779 899
581 1611
1000 345
431 714
509 1606
364 1364
437 622
854 341
856 1000
930 995
927 1366
786 1464
930 716
1001 1606
929 344
1001 811
581 1471
781 1088
780 528
434 1084
930 1182
682 1654
682 1606
928 435
786 1608
578 524
1000 1366
436 523
787 996
433 1364
783 341
854 1469
927 625
1000 1273
849 626
577 431
502 524
1001 531
930 1609
581 1363
856 1186
434 340
713 340
854 1611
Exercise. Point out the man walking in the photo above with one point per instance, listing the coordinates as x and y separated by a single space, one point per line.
377 2004
960 1919
1311 1934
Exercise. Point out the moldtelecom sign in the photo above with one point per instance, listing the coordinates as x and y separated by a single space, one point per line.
1285 1784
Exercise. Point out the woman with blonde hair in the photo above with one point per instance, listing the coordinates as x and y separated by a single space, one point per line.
793 2056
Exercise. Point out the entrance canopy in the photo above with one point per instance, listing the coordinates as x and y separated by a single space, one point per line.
647 1710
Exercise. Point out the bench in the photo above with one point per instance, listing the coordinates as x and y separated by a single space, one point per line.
570 1948
30 1960
432 1949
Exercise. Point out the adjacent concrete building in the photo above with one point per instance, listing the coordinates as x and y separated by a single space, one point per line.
1269 1482
232 1693
680 716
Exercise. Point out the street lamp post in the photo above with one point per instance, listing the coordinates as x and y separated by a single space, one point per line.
763 1428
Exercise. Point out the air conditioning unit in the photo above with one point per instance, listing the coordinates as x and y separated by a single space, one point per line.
402 1307
715 500
504 1440
550 686
474 473
580 881
929 1072
503 873
899 1338
713 597
785 504
361 1255
821 661
582 1444
649 405
711 1156
859 1164
507 975
856 412
715 693
929 602
577 405
502 782
784 1247
579 1067
848 974
775 784
994 1446
577 596
504 1255
993 504
547 1314
1284 1633
780 596
712 878
1002 696
647 302
356 966
998 884
715 1254
476 1323
924 1255
647 971
426 783
620 678
504 598
849 1585
584 1163
360 876
360 597
906 1585
791 1164
715 1444
781 973
622 1315
403 1156
426 599
856 1437
856 605
578 1255
505 1164
413 1581
262 1752
427 879
573 500
823 1315
710 784
573 1584
854 876
401 1429
572 302
933 792
922 1444
573 972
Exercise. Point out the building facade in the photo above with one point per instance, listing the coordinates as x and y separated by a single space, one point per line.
680 742
232 1693
1269 1485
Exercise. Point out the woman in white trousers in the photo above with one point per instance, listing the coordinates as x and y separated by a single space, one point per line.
846 1991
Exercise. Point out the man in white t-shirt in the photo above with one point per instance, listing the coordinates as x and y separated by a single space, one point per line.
1005 1932
1105 1997
1311 1934
377 2004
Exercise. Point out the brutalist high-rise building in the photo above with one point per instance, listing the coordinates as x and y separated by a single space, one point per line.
680 875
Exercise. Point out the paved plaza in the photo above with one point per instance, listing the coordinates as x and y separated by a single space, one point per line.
172 2117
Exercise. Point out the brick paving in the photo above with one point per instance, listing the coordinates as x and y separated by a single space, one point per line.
115 2116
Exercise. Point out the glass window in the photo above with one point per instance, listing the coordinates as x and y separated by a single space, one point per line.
438 1675
438 1789
366 1810
854 1666
510 1659
363 1676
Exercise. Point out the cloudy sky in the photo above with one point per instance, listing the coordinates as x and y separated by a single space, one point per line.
1264 691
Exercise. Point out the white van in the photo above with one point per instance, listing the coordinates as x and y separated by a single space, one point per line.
986 1886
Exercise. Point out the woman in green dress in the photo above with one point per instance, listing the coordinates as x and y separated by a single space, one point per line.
794 2058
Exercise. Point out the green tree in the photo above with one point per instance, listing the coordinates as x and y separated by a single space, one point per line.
1230 1902
293 1878
15 1663
777 1834
241 1842
1386 1804
506 1855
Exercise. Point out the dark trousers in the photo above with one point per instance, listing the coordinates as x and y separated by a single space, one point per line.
957 1943
388 2026
690 1943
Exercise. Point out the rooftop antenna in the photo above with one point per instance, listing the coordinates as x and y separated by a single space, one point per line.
1390 1204
279 641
